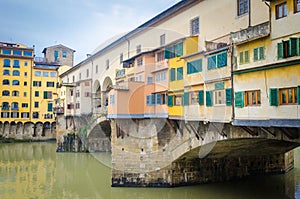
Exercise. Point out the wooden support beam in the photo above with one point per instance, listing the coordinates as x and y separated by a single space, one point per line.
221 132
264 129
248 130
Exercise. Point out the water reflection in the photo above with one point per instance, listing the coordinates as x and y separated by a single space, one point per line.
35 170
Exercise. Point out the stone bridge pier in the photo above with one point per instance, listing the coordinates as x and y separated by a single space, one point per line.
168 153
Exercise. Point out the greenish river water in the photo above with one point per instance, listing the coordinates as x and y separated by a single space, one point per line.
35 170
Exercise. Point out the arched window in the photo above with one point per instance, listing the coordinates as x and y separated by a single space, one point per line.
6 63
16 73
6 72
15 82
5 93
15 93
15 106
5 106
5 82
16 64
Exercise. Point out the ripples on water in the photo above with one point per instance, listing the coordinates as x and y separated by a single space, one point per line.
35 170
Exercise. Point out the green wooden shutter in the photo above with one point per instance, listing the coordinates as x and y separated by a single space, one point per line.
293 46
280 49
201 97
45 95
211 62
180 73
170 100
222 59
299 46
255 54
179 49
239 99
261 53
186 99
246 54
241 57
50 107
228 96
274 96
172 74
167 52
298 95
209 95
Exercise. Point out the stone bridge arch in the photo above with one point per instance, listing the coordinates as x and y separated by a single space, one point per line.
98 137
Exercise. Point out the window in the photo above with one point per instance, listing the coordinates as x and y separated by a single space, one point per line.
242 6
35 115
36 104
107 64
194 26
64 54
52 74
180 73
14 115
244 57
219 97
25 74
50 105
25 83
138 49
174 50
38 73
6 63
87 73
5 82
172 74
112 99
194 97
73 78
25 63
4 115
160 56
25 94
25 115
17 52
16 73
37 83
5 106
121 58
28 53
15 93
259 53
97 68
139 62
281 10
36 93
6 52
6 72
288 48
77 94
288 96
149 80
87 83
252 98
45 74
160 76
79 76
70 106
178 100
5 93
217 61
15 106
87 94
15 82
194 66
162 39
55 56
71 92
16 64
24 105
77 105
296 6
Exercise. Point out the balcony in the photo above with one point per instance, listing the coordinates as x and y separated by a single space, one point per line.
251 33
58 110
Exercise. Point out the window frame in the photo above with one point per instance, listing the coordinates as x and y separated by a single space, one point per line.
195 26
294 96
244 9
283 8
296 6
249 98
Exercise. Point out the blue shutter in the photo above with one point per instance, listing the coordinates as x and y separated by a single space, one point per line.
222 59
153 97
228 96
201 97
167 52
239 99
148 100
211 62
186 99
172 74
274 96
179 49
209 100
180 73
158 99
170 100
50 107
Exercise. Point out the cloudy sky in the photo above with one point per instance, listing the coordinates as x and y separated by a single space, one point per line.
78 24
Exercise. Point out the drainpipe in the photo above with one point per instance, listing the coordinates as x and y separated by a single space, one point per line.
270 15
232 87
249 18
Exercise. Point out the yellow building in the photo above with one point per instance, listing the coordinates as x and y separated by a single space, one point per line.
174 53
16 66
266 75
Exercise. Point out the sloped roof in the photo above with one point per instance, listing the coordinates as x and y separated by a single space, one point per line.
56 46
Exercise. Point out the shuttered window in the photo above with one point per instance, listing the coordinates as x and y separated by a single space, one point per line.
228 96
274 96
180 73
259 53
170 100
50 107
186 99
172 74
194 66
209 100
201 97
222 59
239 99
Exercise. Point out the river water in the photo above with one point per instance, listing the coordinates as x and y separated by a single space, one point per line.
35 170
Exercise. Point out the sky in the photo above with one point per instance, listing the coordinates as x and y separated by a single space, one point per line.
81 25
